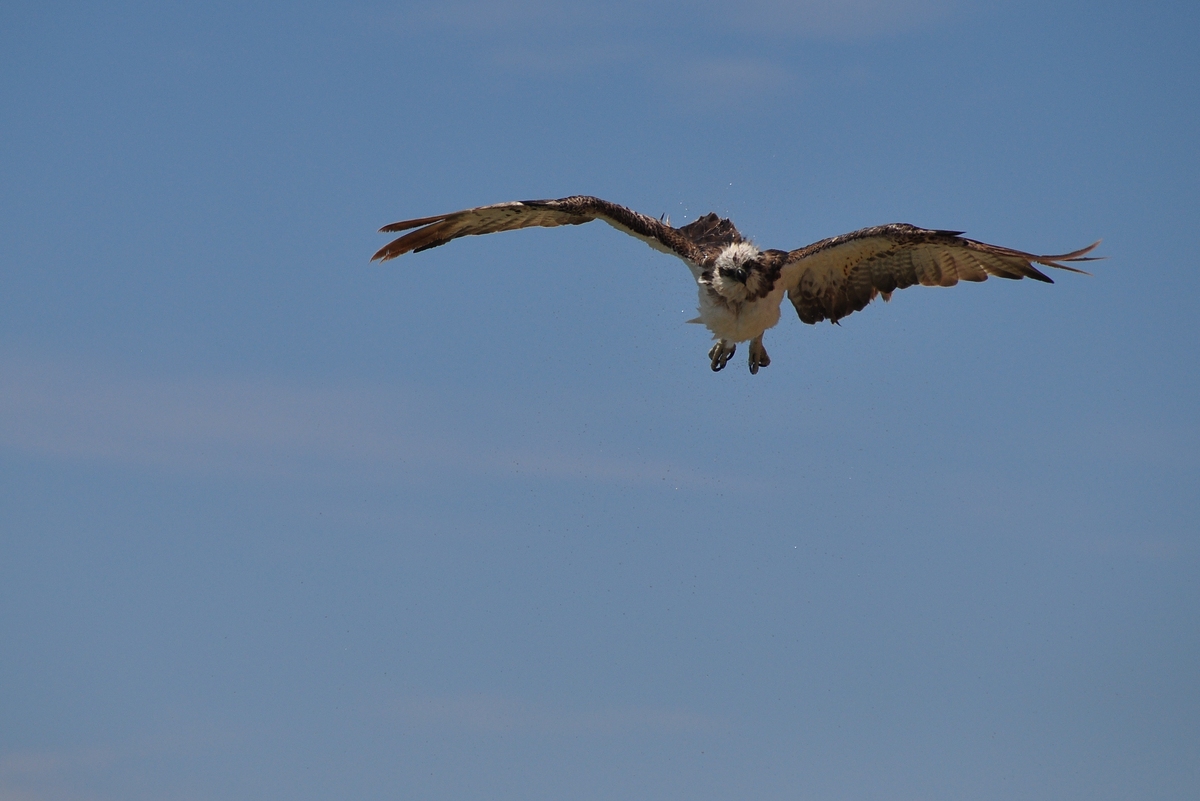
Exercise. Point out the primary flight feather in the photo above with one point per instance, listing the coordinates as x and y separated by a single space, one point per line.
741 287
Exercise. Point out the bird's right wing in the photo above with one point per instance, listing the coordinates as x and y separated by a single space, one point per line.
430 232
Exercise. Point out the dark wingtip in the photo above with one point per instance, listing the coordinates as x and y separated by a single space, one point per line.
1075 269
390 251
404 225
383 255
1073 256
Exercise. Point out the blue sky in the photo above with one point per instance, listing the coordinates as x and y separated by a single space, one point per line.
276 522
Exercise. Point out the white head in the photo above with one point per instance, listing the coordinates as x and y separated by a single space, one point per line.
732 269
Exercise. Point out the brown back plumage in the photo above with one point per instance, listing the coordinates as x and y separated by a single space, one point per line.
712 232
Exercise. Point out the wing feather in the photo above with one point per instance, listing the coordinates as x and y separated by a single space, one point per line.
434 231
836 277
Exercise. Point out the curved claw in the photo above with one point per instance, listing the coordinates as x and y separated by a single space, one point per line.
758 355
720 353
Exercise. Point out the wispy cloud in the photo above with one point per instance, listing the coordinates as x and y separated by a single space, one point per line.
45 774
487 16
809 19
69 773
60 411
729 81
13 794
828 19
686 55
34 762
494 715
57 410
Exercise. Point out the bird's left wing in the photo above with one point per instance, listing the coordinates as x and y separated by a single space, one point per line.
434 231
836 277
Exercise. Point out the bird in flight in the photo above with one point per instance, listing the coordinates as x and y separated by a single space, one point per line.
741 287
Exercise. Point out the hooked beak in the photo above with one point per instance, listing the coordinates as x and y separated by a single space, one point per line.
738 274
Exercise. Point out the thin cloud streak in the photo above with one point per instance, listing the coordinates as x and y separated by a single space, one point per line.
256 427
483 714
61 774
732 80
30 762
647 46
830 19
803 19
689 51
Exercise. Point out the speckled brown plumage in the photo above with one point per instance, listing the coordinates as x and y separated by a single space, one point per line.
826 280
435 231
904 255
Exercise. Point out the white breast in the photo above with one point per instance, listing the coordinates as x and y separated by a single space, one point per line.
739 322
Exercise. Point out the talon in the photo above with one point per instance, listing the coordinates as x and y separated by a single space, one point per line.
758 355
720 354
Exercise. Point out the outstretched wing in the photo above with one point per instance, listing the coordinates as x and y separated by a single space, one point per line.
434 231
836 277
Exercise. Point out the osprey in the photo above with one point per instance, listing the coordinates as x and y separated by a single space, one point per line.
742 287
